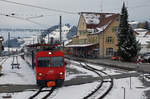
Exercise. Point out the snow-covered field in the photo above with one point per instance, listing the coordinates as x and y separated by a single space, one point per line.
25 76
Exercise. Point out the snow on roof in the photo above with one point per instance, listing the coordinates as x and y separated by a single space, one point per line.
141 32
79 45
108 15
92 18
133 22
67 42
97 22
98 29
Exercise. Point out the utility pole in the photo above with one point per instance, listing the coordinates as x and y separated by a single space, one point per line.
101 10
103 43
60 31
130 81
48 42
124 93
33 40
8 42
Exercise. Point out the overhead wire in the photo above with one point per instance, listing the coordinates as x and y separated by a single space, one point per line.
34 17
131 7
20 18
50 9
39 7
63 11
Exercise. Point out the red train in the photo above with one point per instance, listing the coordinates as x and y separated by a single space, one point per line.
48 63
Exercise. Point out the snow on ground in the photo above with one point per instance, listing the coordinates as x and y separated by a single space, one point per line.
110 71
82 71
75 92
79 91
135 92
71 92
24 75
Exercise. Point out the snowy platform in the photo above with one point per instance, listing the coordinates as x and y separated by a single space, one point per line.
22 76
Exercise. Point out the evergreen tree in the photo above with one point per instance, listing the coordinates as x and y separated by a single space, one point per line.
128 47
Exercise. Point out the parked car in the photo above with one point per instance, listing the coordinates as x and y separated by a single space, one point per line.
115 56
146 57
139 59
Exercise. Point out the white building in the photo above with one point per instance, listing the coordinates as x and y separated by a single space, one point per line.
133 24
56 34
143 37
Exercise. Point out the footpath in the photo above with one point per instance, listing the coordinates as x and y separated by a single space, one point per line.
140 67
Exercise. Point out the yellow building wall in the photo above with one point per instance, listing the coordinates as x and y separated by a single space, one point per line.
82 27
109 33
94 38
81 33
83 37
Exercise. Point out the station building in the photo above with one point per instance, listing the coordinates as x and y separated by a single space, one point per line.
96 35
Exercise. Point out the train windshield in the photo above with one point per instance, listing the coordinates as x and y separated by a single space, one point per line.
43 61
57 61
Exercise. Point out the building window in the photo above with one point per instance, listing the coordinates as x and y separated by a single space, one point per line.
109 40
82 41
109 51
115 29
82 32
118 19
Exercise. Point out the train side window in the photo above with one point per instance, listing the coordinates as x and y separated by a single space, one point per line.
43 62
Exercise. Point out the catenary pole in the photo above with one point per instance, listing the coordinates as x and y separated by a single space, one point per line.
8 42
60 30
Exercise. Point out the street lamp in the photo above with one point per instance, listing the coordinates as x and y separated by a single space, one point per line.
124 94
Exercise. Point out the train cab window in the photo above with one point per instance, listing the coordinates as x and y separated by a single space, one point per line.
43 62
57 61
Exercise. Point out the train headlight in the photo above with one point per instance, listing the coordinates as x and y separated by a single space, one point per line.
40 74
49 53
61 73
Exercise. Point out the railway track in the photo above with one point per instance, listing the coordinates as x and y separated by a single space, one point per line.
103 88
3 60
41 90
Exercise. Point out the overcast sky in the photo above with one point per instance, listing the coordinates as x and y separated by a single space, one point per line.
138 10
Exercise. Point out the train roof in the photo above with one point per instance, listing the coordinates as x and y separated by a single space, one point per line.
38 44
44 47
49 53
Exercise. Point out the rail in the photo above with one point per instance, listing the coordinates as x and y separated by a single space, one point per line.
100 86
41 90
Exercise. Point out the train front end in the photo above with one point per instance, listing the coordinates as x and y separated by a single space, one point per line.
50 68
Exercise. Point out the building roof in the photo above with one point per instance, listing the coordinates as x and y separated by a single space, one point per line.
80 45
141 32
97 22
